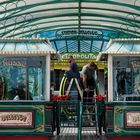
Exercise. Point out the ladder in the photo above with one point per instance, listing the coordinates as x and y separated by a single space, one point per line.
77 87
90 114
87 114
63 91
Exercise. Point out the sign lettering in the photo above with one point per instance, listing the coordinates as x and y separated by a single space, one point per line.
80 55
14 63
75 33
133 119
17 118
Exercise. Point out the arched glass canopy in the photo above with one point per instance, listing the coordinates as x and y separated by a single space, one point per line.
71 25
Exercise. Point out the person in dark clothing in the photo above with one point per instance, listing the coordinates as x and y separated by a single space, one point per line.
73 73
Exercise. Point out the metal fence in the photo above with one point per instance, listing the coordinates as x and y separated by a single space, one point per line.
80 115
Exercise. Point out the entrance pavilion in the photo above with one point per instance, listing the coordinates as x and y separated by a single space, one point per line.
72 26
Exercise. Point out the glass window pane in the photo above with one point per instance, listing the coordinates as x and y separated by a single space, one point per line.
21 78
126 78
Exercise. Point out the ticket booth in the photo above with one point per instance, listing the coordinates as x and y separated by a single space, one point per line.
123 98
25 87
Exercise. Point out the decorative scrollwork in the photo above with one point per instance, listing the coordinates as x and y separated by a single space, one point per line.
117 128
117 110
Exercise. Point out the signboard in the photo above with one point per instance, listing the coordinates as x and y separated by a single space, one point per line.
80 55
77 33
16 119
14 63
132 119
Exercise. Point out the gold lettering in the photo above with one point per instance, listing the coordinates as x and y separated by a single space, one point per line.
14 63
17 117
6 117
13 117
9 117
23 118
136 118
3 118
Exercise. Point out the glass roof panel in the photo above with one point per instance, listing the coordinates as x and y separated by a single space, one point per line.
121 46
9 47
56 19
50 7
26 46
104 12
21 47
85 46
1 46
126 47
54 13
101 18
27 18
107 6
115 47
136 47
104 45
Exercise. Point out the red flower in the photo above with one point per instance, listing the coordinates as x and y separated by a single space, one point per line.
59 98
100 97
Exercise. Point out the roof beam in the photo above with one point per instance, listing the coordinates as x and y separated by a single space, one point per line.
94 26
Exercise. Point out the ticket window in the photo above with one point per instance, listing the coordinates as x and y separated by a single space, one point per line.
126 78
22 78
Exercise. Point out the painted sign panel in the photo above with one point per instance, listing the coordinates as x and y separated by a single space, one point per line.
75 33
80 55
132 119
16 119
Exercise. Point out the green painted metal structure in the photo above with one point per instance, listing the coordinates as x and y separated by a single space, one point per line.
72 114
115 18
122 106
41 121
117 120
71 26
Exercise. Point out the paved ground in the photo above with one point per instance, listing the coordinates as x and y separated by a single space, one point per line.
71 134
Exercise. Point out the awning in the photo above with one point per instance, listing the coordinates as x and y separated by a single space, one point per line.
25 46
29 17
121 47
